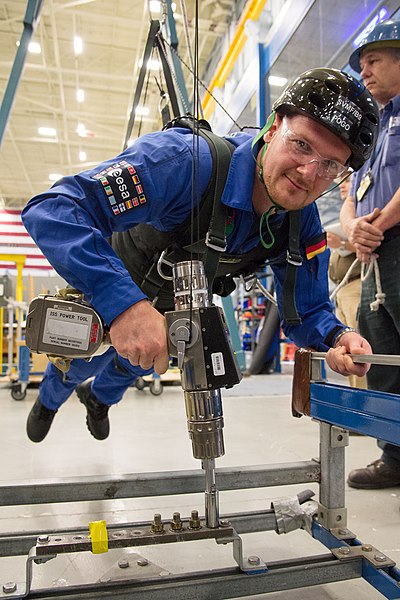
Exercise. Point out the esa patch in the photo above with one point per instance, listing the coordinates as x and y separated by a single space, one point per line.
316 246
122 186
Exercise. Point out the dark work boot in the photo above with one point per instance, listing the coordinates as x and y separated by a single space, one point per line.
377 475
97 412
39 421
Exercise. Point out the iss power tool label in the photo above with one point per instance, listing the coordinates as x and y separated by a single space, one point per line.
67 329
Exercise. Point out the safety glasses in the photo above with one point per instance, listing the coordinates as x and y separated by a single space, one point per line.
304 154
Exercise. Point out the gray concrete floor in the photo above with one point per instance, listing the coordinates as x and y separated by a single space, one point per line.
149 433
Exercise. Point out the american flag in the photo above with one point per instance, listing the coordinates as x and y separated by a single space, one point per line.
15 240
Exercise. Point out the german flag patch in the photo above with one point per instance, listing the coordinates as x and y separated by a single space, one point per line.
316 246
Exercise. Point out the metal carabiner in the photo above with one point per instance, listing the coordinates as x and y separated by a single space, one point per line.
162 261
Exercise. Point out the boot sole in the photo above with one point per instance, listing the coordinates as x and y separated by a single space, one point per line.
372 486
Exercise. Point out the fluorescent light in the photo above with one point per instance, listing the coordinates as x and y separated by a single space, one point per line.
80 95
130 142
47 131
78 45
155 6
81 130
82 155
152 64
34 48
142 111
54 176
278 81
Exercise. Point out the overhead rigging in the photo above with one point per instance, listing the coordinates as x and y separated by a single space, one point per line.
176 95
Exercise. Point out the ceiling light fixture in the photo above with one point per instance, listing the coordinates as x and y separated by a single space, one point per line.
80 95
82 155
278 81
155 6
152 64
47 131
55 176
78 45
142 111
34 48
81 130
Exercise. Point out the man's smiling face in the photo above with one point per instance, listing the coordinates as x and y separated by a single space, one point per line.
290 184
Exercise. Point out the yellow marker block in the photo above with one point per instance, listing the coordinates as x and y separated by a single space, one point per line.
99 536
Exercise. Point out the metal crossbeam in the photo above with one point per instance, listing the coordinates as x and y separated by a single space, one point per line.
165 483
218 584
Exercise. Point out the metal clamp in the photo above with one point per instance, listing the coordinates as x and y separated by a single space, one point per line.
375 557
251 564
339 437
331 518
16 589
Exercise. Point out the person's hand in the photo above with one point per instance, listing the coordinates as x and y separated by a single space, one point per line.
339 360
333 240
365 257
139 334
363 234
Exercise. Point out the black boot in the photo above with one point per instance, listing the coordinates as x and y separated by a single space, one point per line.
97 412
39 421
376 476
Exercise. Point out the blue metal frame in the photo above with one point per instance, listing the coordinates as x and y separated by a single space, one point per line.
386 580
23 364
375 414
264 97
180 80
369 412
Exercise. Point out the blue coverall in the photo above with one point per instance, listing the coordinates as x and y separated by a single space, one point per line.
382 327
151 181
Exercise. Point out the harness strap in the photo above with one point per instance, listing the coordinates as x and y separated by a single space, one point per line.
215 241
294 260
212 228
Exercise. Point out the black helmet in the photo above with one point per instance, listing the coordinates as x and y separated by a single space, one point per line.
341 103
383 35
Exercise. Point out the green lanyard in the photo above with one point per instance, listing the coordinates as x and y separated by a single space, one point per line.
267 214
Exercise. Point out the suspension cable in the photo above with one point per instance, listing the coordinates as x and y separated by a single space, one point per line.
199 81
172 70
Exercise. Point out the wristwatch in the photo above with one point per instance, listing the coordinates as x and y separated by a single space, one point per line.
339 335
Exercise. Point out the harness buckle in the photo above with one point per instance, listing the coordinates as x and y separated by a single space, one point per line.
215 243
294 258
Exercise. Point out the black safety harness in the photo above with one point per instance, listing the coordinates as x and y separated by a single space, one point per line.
140 248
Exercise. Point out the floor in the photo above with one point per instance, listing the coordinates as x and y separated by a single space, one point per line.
148 433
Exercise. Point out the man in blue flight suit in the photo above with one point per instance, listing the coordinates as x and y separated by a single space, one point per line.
324 124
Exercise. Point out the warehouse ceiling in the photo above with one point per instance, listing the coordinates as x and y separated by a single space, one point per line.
114 35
